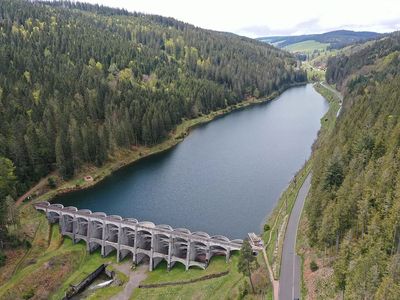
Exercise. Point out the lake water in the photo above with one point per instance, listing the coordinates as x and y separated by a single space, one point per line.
225 177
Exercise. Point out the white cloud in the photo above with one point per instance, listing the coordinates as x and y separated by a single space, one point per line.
266 17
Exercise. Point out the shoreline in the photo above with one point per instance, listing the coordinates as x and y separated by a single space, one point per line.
279 216
127 157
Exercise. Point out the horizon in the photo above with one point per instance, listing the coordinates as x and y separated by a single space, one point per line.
336 30
260 18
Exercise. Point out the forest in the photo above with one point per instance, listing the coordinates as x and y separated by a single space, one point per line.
354 207
336 39
341 67
78 81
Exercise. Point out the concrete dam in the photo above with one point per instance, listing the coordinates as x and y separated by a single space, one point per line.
128 236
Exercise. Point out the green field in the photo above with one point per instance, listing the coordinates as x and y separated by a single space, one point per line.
217 288
307 47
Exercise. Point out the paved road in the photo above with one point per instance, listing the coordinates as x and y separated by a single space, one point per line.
337 93
289 281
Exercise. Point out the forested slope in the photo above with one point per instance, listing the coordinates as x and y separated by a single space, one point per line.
78 81
354 205
336 39
343 66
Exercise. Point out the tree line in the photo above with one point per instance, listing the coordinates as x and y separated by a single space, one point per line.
78 81
354 207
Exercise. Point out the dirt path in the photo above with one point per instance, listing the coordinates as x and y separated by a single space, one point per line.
135 278
275 283
39 185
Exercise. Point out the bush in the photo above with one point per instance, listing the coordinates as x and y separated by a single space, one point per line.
27 244
3 258
260 280
313 266
51 182
28 294
267 227
244 289
15 242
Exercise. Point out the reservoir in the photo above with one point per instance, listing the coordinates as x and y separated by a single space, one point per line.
224 178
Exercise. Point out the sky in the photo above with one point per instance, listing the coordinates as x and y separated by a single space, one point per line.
256 18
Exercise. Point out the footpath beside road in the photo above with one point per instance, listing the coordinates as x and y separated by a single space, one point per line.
275 283
289 281
336 92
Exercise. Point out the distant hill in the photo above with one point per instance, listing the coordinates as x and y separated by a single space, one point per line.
333 39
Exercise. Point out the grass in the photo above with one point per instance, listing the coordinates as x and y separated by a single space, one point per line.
313 74
178 273
87 264
38 268
307 46
217 288
90 263
328 121
303 286
269 291
52 264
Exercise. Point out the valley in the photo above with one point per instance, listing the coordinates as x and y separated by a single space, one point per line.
192 163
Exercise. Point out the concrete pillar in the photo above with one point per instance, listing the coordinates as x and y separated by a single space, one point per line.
151 250
47 215
74 228
170 248
89 228
62 224
188 255
228 253
135 243
208 254
119 242
103 239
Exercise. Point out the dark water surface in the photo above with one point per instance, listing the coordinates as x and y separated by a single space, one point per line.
225 177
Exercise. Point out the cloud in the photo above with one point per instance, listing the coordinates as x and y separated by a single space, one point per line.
256 18
306 27
313 26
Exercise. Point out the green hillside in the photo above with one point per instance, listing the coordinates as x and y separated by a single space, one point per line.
78 82
334 39
307 47
354 209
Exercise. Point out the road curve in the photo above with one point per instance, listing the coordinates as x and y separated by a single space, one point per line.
336 92
289 281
